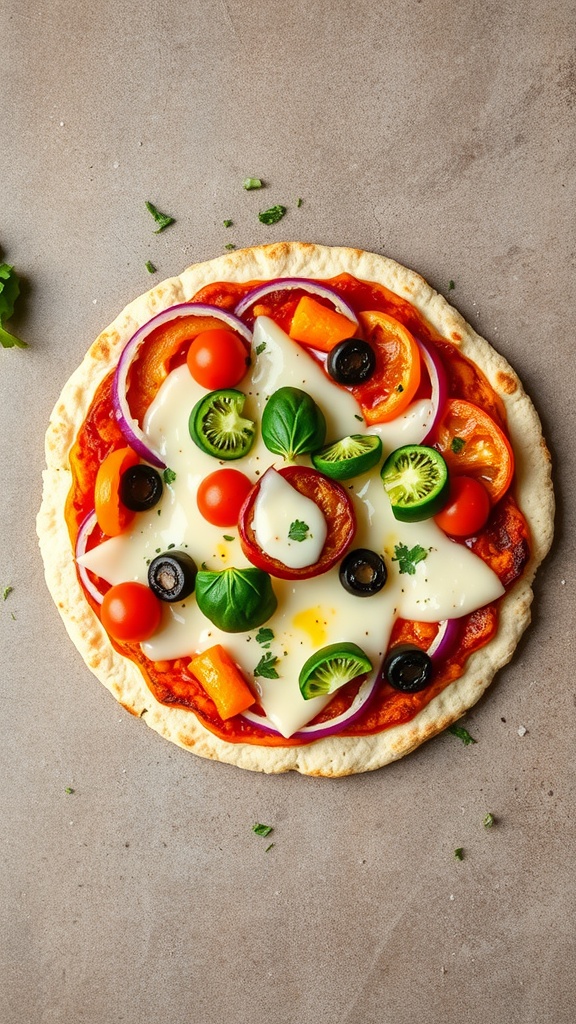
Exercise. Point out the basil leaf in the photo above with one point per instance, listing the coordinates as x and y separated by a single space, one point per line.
292 423
272 215
235 600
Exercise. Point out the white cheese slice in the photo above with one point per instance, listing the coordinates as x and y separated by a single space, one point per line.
287 525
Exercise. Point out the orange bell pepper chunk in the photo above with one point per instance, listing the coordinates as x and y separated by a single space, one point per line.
113 517
222 680
319 326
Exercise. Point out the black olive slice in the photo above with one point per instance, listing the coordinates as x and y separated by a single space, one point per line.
351 362
172 576
140 488
363 572
407 668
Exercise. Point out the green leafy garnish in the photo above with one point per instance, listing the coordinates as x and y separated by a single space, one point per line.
262 830
299 203
459 853
9 292
168 476
264 636
162 219
228 536
269 847
230 246
260 348
227 223
6 591
457 444
69 789
265 667
408 558
298 530
489 820
250 183
272 215
462 734
150 267
451 285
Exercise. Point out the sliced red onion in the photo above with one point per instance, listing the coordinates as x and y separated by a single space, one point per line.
288 284
131 430
87 526
321 729
439 383
444 640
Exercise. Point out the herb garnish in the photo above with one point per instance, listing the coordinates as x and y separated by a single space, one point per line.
9 292
168 476
262 830
150 267
462 734
459 853
6 591
272 215
227 223
162 219
298 530
265 667
457 444
489 820
407 558
230 246
250 183
264 636
451 285
228 536
69 789
260 348
299 203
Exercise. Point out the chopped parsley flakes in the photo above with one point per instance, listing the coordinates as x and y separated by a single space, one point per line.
168 476
262 830
150 267
298 530
459 853
264 636
265 667
408 558
9 292
260 348
6 591
462 734
457 444
272 215
489 820
162 219
250 183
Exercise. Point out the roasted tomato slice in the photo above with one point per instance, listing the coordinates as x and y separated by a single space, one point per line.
336 507
473 445
397 375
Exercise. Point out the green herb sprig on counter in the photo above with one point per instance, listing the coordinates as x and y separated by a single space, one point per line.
9 292
162 219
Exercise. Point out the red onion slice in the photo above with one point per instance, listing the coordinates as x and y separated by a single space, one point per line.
316 732
290 283
87 526
439 382
445 639
130 428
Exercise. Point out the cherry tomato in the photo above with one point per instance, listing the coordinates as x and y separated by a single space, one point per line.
467 509
221 496
473 445
217 359
130 612
333 502
112 515
397 376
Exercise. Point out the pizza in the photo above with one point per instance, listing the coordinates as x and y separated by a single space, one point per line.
293 508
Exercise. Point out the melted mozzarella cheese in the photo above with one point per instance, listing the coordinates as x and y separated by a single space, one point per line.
287 525
450 582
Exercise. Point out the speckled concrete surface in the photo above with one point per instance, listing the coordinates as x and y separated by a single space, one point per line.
443 135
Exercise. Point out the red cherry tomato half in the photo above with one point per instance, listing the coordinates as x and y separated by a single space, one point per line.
217 359
333 502
221 496
130 612
468 507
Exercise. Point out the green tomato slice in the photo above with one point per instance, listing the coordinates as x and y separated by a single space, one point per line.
349 457
416 480
332 667
217 426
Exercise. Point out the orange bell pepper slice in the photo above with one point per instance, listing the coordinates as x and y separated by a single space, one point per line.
223 681
397 376
113 517
319 326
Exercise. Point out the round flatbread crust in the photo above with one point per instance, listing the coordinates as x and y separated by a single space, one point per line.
333 756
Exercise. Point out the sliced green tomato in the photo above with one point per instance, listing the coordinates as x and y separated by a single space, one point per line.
217 426
332 667
416 480
349 457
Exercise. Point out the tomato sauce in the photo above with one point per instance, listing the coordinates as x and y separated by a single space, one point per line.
504 543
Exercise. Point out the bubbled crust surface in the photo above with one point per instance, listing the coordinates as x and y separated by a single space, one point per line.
333 756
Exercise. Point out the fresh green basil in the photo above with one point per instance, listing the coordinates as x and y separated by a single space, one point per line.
236 600
292 423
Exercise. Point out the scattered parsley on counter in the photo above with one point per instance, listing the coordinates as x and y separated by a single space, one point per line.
408 558
6 591
272 215
250 183
269 847
150 267
264 636
262 830
69 789
489 820
162 219
265 667
459 853
451 285
9 292
227 223
457 444
230 246
168 476
298 530
462 734
299 203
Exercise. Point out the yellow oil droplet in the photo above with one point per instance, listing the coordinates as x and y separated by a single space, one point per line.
222 553
313 622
